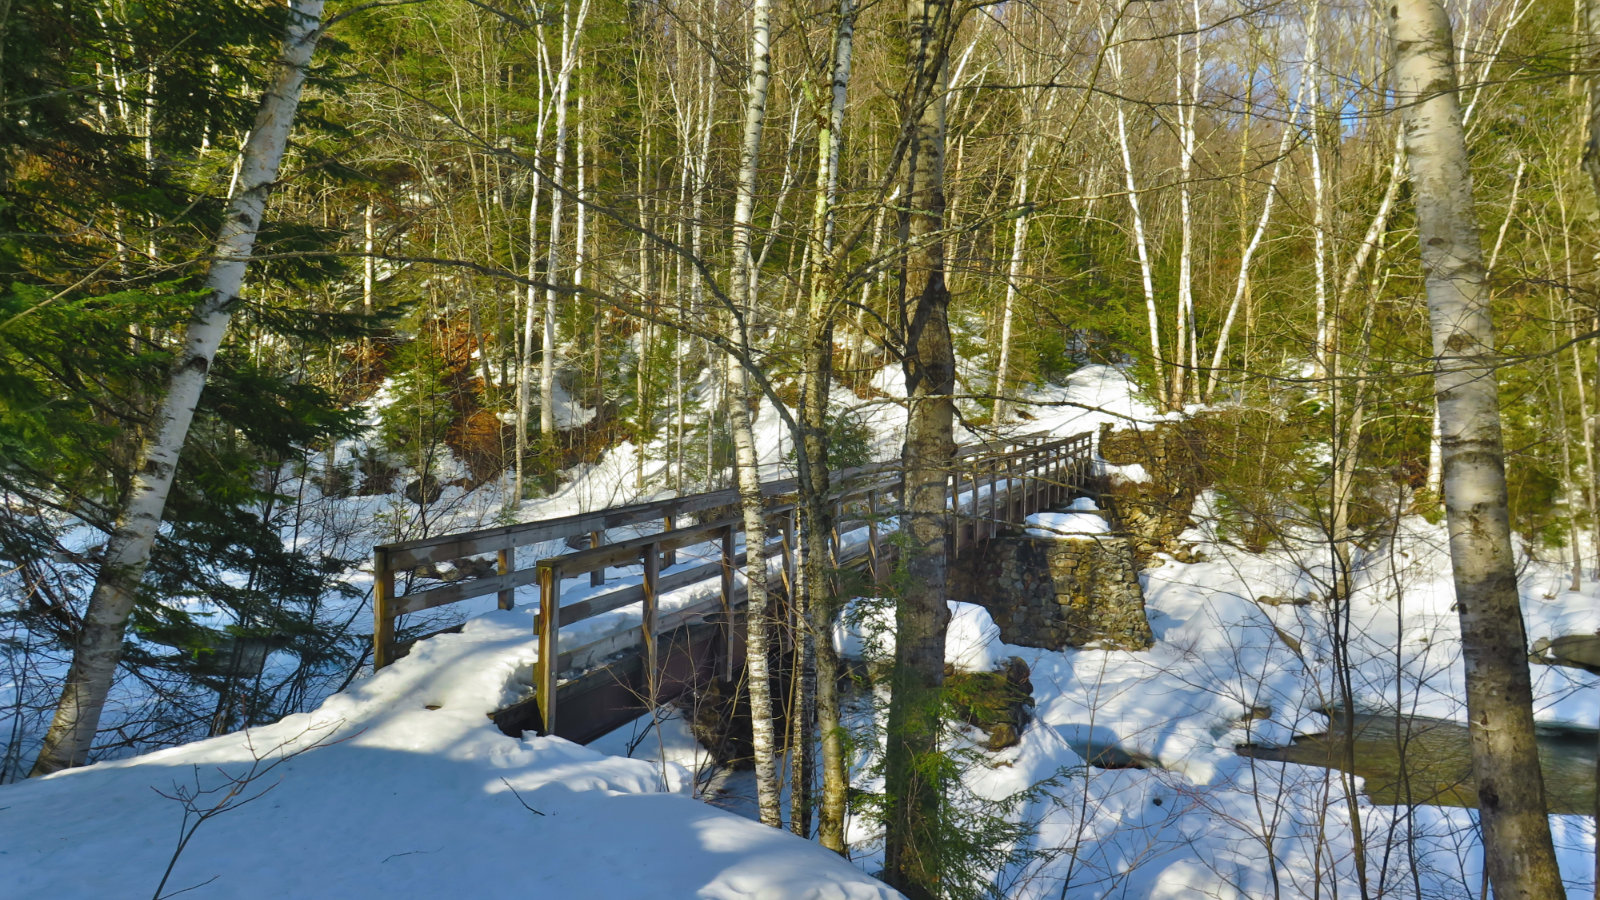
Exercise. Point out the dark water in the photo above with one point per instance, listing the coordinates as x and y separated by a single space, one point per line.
1417 760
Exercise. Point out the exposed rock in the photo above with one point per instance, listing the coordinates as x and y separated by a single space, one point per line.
999 702
1155 512
424 491
377 474
1055 593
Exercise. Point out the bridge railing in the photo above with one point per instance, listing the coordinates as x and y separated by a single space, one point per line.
990 485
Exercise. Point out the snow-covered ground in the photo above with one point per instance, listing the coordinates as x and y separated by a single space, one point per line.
401 786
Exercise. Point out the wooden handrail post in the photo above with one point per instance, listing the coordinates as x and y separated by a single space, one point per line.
382 598
786 556
729 562
652 576
955 508
549 651
1056 487
1035 483
874 560
994 495
1011 489
598 576
669 522
505 560
835 545
1058 476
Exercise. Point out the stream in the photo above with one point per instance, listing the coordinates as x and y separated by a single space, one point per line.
1417 760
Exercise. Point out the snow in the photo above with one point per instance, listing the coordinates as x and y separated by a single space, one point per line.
400 785
865 632
1077 525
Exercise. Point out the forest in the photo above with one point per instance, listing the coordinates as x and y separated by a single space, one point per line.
282 281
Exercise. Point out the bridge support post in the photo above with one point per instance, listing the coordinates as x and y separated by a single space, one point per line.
874 556
382 601
505 561
728 565
549 652
652 577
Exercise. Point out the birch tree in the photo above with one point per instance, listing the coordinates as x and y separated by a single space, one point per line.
1241 285
747 459
99 646
1518 853
1187 102
571 32
1113 54
525 361
1312 73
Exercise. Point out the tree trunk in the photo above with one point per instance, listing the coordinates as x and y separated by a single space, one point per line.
816 522
1187 103
1591 147
1242 283
1320 346
1518 854
745 452
99 646
1146 266
571 31
1019 240
913 789
525 368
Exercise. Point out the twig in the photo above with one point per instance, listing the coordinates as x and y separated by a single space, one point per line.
519 798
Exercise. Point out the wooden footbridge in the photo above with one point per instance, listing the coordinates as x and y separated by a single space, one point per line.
603 677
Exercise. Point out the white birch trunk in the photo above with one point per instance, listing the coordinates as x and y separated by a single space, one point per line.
745 452
1146 267
571 31
1187 104
1320 349
1241 284
1518 852
530 314
368 261
1019 240
99 646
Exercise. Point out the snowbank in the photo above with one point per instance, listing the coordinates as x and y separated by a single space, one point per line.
401 787
865 632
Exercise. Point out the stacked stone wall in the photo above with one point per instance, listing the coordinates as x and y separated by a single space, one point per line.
1054 593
